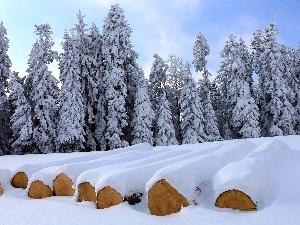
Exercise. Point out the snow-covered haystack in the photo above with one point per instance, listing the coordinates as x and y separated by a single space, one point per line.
251 183
127 179
188 175
61 179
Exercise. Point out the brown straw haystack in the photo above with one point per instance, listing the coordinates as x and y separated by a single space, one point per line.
63 186
163 199
108 197
20 180
235 199
39 190
86 192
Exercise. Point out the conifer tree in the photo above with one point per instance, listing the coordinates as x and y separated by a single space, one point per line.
296 86
241 107
89 88
200 51
143 115
21 122
70 130
276 100
5 65
43 91
192 122
174 84
165 129
117 50
157 80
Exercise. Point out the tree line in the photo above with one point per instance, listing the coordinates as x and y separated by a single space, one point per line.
105 101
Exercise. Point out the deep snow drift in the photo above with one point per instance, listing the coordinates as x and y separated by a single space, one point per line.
267 169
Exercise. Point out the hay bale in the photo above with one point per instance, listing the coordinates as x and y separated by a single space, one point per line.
1 189
39 190
235 199
86 192
108 197
20 180
163 199
63 186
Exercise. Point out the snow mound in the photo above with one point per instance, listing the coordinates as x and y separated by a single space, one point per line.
257 174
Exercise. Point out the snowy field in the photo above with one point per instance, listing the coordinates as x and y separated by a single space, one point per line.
267 169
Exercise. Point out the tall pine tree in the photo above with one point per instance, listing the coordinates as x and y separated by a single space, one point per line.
70 130
276 97
192 121
117 50
5 65
43 91
21 122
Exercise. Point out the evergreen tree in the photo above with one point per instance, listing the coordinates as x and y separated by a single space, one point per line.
89 88
5 65
200 51
43 91
296 86
21 122
192 122
143 115
117 50
276 100
174 85
157 80
210 122
165 129
70 130
241 107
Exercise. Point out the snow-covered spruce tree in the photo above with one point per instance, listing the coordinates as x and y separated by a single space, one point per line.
174 85
89 88
157 80
97 73
277 114
117 50
21 122
43 92
296 86
70 129
143 115
192 121
200 51
157 83
165 129
241 107
210 120
5 65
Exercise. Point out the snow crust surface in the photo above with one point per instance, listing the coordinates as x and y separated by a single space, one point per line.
267 169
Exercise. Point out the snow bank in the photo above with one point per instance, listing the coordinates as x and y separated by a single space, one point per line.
186 175
73 170
256 175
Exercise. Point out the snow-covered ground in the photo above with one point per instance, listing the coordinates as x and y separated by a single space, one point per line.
268 169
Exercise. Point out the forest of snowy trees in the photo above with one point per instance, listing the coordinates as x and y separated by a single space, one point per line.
105 101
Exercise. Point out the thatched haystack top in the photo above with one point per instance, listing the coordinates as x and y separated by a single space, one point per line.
186 175
256 174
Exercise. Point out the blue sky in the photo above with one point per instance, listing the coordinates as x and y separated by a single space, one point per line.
159 26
